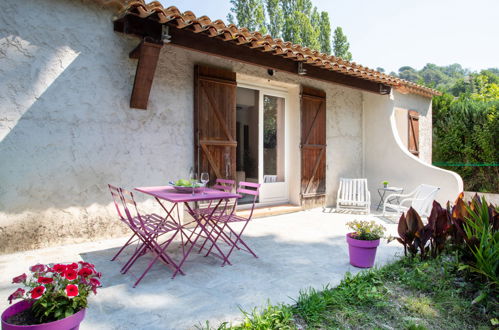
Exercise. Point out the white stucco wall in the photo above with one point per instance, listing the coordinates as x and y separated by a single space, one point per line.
386 157
66 129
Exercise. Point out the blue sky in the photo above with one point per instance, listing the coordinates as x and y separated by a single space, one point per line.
394 33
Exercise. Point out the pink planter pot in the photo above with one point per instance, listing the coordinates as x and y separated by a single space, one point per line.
362 253
69 323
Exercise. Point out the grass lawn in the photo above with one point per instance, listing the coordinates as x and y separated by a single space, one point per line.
408 294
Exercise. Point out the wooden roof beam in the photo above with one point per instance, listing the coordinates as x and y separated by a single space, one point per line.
147 53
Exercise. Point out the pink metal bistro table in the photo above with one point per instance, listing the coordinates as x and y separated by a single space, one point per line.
167 193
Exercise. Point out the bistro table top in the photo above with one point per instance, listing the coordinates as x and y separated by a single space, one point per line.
391 188
170 194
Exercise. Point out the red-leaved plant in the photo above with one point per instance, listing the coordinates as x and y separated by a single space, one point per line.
59 290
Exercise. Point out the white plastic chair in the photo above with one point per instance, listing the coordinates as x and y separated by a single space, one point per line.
421 200
353 194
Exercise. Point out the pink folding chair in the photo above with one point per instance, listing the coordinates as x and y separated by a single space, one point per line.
245 188
149 233
120 209
121 216
222 185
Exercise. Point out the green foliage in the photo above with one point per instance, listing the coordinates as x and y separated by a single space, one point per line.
271 317
440 77
366 288
325 33
249 14
278 317
297 21
275 15
341 45
473 228
407 294
482 233
466 130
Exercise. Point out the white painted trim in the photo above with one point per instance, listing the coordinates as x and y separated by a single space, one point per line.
276 91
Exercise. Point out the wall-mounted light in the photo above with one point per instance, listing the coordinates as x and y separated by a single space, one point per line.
384 89
165 34
301 70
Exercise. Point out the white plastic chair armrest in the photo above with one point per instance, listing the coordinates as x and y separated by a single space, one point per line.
411 199
400 195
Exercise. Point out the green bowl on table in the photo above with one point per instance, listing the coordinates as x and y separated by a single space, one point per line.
186 186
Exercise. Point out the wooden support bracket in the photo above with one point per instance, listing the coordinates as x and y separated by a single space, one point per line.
148 54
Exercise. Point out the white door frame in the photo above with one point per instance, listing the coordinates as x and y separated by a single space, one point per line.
276 192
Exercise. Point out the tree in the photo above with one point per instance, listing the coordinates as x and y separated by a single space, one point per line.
341 45
297 21
325 33
409 73
276 18
249 14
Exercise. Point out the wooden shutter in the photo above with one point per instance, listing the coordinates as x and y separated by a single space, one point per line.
414 132
215 122
313 145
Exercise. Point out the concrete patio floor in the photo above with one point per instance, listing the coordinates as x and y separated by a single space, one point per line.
296 251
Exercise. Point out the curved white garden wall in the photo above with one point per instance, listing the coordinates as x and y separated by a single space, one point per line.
386 157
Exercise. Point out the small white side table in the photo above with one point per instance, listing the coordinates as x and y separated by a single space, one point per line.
382 192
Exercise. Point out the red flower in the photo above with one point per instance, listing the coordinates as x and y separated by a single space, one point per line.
86 264
71 290
16 295
37 268
59 268
95 281
45 280
70 274
37 292
19 279
74 265
85 272
95 284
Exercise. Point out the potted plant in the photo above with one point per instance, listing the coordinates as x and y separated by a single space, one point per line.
385 184
363 242
53 297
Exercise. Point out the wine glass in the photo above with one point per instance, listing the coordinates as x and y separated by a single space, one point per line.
193 177
205 178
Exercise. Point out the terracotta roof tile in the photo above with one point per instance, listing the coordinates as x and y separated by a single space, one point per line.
278 47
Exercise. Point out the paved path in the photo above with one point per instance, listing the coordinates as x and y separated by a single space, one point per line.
299 250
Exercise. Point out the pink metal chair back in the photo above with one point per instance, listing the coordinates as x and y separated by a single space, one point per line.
224 185
249 188
115 193
120 208
135 220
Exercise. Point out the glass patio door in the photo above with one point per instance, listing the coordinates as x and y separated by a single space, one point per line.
272 147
